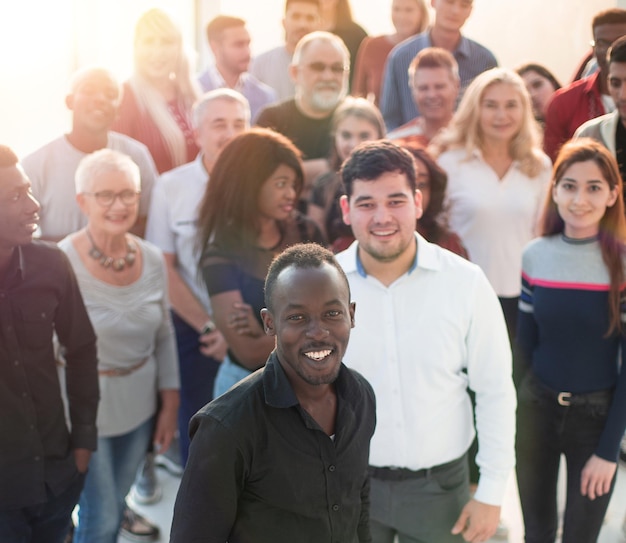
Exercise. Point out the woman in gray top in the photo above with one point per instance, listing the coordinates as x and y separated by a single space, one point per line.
124 284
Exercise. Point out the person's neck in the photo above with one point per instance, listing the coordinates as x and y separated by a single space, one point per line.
208 164
446 39
231 77
113 245
496 149
269 233
87 142
165 87
308 111
432 127
604 87
388 272
328 19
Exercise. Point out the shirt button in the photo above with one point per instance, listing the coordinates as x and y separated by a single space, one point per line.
331 468
335 507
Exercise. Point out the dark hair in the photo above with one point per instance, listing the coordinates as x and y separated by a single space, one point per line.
289 2
7 157
229 209
431 222
371 159
215 28
608 17
617 52
301 255
612 234
343 13
541 70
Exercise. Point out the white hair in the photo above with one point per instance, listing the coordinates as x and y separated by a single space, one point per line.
229 95
105 161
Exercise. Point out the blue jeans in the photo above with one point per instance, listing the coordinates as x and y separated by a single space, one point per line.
197 375
545 430
112 469
228 375
44 523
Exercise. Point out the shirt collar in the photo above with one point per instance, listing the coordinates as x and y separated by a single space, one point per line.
462 49
280 394
219 81
425 257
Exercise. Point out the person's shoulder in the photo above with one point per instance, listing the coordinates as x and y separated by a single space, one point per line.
575 88
407 49
591 128
45 253
537 248
478 49
275 113
126 144
269 55
262 88
177 175
52 148
151 252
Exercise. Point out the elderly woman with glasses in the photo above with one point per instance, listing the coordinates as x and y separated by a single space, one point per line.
124 284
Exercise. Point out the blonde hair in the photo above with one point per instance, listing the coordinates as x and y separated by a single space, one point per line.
424 16
464 131
151 100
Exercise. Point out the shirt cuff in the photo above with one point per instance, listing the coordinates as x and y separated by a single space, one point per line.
84 436
491 491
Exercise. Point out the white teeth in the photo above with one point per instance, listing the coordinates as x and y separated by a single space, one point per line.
383 232
318 355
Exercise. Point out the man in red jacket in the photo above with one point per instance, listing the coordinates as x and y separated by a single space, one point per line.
587 98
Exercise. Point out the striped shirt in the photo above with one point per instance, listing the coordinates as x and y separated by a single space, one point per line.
397 103
563 319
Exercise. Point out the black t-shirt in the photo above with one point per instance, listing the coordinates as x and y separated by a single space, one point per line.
620 151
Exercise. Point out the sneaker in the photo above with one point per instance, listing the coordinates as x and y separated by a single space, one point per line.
170 460
137 528
146 489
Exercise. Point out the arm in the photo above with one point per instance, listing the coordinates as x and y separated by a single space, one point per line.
242 331
78 339
363 529
206 505
489 373
390 96
555 131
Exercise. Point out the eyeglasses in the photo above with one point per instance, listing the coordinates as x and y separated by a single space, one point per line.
320 67
106 198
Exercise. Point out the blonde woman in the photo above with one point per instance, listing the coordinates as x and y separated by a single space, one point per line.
497 178
157 99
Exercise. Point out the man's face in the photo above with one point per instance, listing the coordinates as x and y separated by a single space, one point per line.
94 101
382 214
451 15
222 121
321 77
301 18
617 86
434 92
603 38
232 52
311 318
19 211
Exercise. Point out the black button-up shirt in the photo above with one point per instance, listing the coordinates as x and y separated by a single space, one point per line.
261 470
39 296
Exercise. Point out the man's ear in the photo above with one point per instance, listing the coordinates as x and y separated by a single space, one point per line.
69 101
352 312
293 73
268 322
345 209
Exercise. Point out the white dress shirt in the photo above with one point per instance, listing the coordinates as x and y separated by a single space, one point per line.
495 218
412 341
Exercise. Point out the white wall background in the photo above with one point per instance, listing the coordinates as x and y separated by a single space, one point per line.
44 41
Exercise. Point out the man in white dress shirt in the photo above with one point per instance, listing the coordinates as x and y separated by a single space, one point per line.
430 326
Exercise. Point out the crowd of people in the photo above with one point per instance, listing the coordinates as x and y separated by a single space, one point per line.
344 289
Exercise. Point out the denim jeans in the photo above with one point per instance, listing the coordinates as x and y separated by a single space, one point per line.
228 375
112 469
545 430
45 523
197 375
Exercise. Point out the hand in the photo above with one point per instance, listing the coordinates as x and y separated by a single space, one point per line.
478 521
596 477
242 320
213 345
167 420
81 458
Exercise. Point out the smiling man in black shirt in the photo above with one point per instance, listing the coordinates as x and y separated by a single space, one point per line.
283 455
42 462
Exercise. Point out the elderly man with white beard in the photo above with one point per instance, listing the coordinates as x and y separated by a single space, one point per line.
320 69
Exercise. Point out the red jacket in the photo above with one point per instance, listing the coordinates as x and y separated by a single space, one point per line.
570 107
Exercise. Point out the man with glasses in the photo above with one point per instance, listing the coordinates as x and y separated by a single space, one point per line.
93 99
397 105
320 70
586 98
